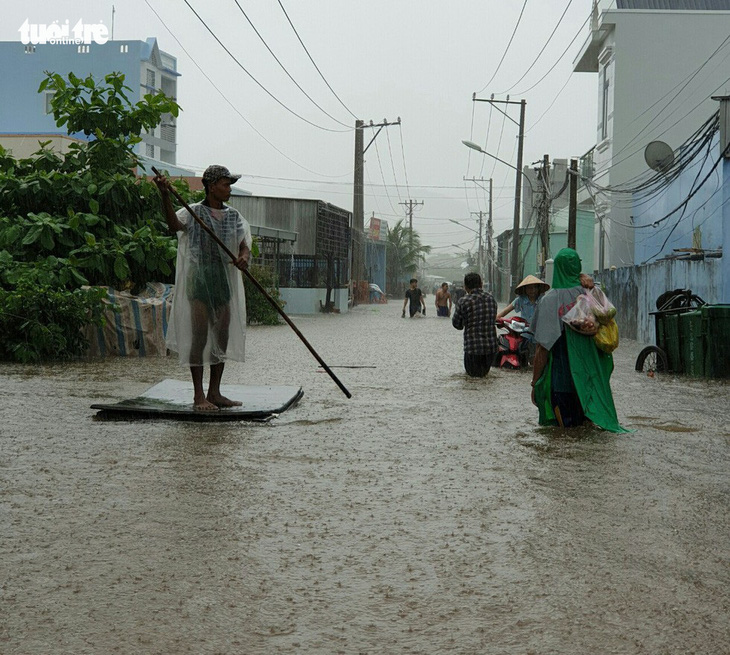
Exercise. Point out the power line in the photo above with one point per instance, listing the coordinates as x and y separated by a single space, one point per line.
403 154
308 181
522 11
382 175
313 62
288 74
557 61
260 85
227 100
392 164
537 58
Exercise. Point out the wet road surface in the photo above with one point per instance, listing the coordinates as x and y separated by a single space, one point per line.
428 514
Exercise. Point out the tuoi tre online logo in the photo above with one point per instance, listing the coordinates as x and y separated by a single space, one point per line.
61 34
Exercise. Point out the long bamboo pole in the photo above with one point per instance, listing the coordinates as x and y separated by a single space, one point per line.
257 284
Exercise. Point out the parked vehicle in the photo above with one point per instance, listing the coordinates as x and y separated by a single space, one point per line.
513 346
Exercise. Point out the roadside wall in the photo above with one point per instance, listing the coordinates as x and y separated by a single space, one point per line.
634 290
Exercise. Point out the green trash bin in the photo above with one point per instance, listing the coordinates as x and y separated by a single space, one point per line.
692 343
671 341
717 330
661 333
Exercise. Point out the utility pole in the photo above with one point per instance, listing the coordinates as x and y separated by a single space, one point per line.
357 239
490 254
515 264
490 236
573 204
514 259
480 257
410 204
544 220
358 210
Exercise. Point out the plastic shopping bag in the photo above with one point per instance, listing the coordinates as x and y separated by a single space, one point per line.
601 306
607 336
581 317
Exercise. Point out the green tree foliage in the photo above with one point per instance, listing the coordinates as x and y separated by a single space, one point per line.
258 309
79 218
404 252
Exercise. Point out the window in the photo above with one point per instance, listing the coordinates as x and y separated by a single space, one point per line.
48 98
83 49
604 102
150 78
123 48
150 150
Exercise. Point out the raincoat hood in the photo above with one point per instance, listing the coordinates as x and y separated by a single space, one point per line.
566 271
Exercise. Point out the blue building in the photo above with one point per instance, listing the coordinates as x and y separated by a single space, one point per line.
682 239
25 115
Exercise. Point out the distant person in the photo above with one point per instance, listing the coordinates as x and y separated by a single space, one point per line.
571 375
208 323
457 292
528 292
443 301
414 300
475 313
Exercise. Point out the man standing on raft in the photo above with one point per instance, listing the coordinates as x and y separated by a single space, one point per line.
208 321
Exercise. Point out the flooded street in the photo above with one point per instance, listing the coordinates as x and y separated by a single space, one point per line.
427 514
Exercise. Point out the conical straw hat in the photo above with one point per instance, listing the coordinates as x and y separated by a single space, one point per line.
531 279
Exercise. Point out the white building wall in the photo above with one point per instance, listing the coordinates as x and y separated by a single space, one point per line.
648 57
307 301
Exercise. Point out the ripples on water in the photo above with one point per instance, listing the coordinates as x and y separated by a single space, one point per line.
428 514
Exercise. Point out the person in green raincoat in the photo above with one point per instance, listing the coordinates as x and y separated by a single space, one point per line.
571 376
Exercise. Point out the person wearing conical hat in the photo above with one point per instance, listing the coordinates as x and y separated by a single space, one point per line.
528 292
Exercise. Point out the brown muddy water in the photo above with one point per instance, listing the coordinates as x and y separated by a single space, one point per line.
428 514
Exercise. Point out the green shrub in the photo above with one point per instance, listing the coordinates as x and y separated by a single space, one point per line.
79 218
258 308
40 322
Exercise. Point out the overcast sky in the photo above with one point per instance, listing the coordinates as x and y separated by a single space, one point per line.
420 60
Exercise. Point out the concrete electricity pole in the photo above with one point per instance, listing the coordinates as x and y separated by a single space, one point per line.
515 257
490 254
480 252
573 203
357 240
410 204
543 176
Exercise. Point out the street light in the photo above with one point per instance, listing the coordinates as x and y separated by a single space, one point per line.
518 190
478 148
451 220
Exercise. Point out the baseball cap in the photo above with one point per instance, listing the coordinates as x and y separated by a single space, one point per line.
215 172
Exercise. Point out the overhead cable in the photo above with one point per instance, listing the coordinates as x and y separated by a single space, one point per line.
228 101
537 58
259 84
557 61
288 74
313 62
506 50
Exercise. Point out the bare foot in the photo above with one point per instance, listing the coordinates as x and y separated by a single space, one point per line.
204 405
222 401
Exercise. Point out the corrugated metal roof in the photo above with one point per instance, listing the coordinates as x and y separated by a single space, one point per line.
675 5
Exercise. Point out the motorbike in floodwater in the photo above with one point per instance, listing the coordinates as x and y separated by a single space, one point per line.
512 345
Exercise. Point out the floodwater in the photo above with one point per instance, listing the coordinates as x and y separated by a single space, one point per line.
427 514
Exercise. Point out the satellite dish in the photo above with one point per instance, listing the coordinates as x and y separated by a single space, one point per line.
659 156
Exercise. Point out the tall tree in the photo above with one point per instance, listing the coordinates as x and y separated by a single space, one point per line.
404 253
